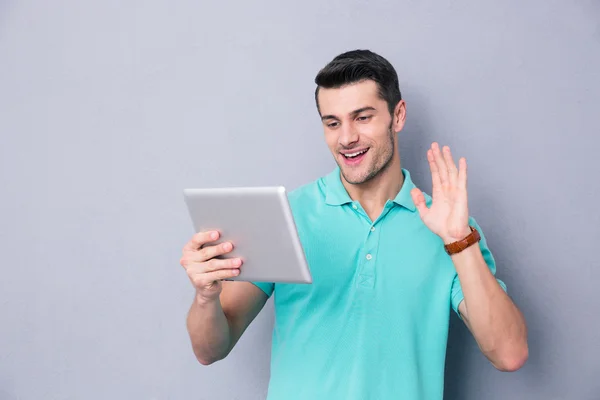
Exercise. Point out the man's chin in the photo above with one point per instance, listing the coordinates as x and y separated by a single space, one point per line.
354 177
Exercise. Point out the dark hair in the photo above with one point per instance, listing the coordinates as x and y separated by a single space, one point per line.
356 66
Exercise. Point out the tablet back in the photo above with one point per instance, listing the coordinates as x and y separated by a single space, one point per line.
259 223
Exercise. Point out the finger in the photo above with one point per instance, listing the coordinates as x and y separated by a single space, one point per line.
217 264
219 275
462 173
441 164
452 170
201 280
200 239
195 258
210 252
419 200
435 174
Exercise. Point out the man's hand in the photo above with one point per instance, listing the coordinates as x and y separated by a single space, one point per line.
448 215
204 269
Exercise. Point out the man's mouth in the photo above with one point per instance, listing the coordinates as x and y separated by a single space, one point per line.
355 154
354 158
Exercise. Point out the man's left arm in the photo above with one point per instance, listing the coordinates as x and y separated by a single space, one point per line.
494 320
496 323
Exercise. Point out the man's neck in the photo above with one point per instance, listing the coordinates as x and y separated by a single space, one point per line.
374 194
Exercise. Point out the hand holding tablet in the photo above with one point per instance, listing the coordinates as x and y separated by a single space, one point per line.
204 265
256 237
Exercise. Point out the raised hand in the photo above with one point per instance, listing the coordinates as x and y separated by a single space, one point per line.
448 214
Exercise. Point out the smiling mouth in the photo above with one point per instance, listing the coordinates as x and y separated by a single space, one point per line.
355 154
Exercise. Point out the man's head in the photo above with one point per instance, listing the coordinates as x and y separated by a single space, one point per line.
359 101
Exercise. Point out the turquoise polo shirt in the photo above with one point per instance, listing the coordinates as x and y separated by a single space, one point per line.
374 322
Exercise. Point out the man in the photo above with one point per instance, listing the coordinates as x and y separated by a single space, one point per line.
389 263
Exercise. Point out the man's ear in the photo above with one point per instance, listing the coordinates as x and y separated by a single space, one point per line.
399 116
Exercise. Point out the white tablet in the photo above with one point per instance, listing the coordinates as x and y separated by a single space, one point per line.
259 223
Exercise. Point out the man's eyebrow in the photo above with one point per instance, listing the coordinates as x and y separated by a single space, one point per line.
363 109
355 112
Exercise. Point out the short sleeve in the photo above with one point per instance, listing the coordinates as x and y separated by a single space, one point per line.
457 293
266 287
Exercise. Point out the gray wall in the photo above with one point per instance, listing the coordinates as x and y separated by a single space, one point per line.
109 109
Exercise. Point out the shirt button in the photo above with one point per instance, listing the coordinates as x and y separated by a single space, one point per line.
354 206
372 229
369 256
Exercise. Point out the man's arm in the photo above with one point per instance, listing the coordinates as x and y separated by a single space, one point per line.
494 320
221 309
215 326
496 323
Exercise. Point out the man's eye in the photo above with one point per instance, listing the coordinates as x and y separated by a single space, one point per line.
332 125
364 117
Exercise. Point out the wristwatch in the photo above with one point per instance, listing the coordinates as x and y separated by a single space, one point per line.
460 245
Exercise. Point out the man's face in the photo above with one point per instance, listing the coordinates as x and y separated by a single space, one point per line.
359 130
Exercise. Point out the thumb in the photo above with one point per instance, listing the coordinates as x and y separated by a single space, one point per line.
419 200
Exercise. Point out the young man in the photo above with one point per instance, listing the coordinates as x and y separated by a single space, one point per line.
389 263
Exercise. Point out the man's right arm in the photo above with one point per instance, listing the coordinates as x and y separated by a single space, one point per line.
216 325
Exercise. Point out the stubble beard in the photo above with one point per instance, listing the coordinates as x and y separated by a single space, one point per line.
380 163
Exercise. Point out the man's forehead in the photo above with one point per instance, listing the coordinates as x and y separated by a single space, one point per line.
346 99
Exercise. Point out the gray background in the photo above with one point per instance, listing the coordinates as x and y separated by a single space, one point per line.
109 109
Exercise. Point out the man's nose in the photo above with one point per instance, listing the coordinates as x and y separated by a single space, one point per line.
348 136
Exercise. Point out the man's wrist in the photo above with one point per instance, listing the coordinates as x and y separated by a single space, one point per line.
457 236
458 246
204 301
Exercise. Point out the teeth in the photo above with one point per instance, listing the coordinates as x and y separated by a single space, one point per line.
354 154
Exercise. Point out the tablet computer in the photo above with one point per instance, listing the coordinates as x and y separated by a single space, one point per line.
259 223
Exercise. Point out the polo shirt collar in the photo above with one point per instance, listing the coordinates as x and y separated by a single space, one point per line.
337 195
403 198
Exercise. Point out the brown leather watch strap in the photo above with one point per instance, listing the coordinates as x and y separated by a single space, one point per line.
460 245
